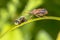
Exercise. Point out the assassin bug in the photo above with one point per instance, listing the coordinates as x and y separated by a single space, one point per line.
20 20
39 12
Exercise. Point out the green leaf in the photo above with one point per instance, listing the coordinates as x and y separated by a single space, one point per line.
29 21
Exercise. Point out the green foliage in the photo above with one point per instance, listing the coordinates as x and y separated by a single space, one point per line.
42 28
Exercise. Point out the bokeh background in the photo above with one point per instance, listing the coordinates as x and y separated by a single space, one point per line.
39 30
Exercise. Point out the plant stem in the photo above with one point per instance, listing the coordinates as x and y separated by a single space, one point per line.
29 21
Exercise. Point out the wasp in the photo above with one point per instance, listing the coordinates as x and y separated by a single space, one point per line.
20 20
39 12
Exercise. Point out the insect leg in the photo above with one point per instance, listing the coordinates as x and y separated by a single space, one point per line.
37 15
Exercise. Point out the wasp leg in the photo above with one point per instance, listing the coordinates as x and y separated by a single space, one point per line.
37 15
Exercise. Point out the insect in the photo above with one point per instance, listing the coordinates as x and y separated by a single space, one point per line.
20 20
39 12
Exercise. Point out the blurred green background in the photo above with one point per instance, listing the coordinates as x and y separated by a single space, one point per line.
39 30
